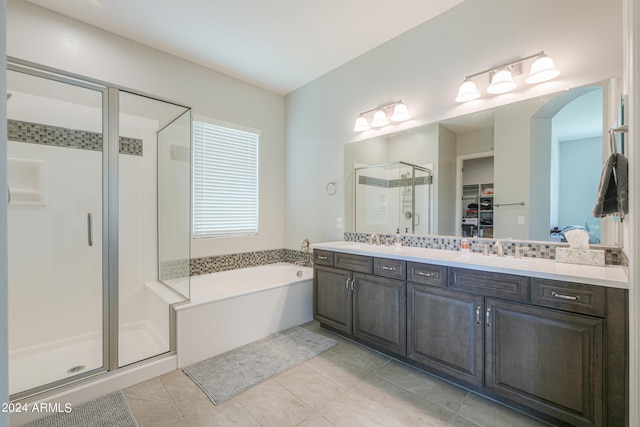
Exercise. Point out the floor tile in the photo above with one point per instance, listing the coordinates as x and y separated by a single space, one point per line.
487 413
152 406
272 405
182 389
311 387
229 413
423 384
404 406
353 411
348 385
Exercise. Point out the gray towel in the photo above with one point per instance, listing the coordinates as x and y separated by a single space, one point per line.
613 192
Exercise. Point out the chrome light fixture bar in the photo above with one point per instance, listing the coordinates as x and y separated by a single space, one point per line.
378 117
501 77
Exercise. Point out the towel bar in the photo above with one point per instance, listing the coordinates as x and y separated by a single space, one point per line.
509 204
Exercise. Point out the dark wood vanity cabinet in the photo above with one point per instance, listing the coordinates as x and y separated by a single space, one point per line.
332 298
548 360
368 307
445 331
556 349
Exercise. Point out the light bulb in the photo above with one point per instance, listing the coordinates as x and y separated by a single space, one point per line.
501 82
400 113
379 119
542 70
361 124
468 91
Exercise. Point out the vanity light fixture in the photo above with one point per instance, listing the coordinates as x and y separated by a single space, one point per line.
501 77
377 117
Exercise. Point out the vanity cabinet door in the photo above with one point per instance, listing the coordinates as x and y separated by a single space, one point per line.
332 297
446 331
380 312
546 359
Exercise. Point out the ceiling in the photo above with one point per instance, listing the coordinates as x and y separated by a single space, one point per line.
279 45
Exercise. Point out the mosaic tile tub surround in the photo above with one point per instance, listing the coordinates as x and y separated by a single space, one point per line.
543 250
214 264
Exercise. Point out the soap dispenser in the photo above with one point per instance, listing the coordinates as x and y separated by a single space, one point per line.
398 241
464 245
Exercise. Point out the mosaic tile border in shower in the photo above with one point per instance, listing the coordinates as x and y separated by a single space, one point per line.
394 183
36 133
543 250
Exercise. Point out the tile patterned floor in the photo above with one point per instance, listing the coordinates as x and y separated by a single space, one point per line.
348 385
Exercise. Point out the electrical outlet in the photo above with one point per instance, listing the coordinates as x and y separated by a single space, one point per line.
338 222
520 219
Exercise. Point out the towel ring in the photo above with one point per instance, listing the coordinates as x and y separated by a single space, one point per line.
331 188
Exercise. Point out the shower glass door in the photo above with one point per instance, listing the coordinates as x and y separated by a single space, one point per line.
55 231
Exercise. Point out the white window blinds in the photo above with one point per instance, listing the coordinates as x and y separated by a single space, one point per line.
225 181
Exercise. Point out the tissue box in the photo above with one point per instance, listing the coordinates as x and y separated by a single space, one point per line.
580 256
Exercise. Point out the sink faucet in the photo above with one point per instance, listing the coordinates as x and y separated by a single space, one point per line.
485 249
376 237
499 249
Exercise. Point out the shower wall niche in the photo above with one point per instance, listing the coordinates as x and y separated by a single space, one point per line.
393 196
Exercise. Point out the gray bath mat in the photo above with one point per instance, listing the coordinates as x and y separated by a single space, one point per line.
111 410
230 374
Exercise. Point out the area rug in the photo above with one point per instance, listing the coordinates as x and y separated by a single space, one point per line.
111 410
227 375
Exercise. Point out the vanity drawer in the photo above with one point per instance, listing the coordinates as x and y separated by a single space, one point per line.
498 285
575 297
392 268
322 257
359 263
427 274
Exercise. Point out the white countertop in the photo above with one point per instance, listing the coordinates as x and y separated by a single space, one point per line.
615 276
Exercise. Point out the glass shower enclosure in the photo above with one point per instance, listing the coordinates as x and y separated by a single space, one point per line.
85 296
393 196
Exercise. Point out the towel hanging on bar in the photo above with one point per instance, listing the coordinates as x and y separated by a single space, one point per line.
613 192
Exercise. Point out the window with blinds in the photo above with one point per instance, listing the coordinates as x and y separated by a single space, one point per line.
225 181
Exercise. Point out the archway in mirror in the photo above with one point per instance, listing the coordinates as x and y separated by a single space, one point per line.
567 140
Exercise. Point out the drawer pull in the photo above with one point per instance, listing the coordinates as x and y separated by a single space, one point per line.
346 284
384 267
478 314
569 297
324 258
428 274
488 316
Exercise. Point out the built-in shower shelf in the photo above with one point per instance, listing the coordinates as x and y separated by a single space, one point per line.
26 182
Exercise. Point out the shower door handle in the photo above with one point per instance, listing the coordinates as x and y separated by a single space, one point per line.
90 228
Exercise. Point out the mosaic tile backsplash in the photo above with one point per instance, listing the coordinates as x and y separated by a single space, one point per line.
205 265
36 133
545 250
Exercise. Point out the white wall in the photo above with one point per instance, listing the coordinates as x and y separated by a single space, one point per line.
424 67
44 37
4 349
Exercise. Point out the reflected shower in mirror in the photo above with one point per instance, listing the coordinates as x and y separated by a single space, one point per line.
393 196
545 156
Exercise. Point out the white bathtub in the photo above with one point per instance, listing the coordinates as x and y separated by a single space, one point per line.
235 307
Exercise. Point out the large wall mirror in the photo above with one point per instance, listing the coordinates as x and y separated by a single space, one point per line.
527 170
